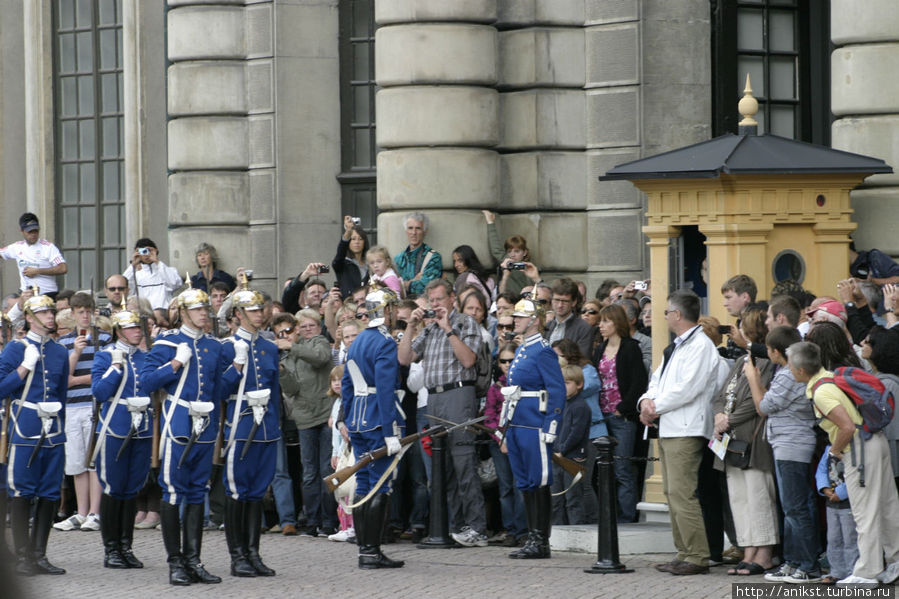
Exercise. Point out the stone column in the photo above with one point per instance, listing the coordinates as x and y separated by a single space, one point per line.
221 133
865 101
438 119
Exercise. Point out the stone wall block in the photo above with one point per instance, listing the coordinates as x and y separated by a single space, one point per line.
615 239
437 116
436 53
198 32
208 142
262 195
448 230
611 194
613 55
207 87
417 11
207 197
612 11
263 255
259 27
438 178
859 85
523 13
613 117
872 136
874 230
542 57
853 22
543 118
260 86
543 181
261 140
231 242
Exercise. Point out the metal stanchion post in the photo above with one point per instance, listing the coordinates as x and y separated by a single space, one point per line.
607 550
438 537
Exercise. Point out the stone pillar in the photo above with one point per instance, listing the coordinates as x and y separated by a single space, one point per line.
39 125
865 101
438 119
221 149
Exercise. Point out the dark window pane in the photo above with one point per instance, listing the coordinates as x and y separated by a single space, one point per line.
753 66
70 184
782 31
85 52
361 18
110 227
361 70
88 226
66 14
782 76
69 228
69 103
362 157
88 184
750 30
111 182
109 86
88 139
86 95
89 268
783 121
112 262
361 112
84 13
107 12
108 48
70 140
110 137
67 53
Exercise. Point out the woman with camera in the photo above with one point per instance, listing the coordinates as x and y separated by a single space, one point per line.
349 263
748 463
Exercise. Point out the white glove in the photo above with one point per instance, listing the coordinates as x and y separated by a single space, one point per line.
241 351
118 357
393 445
31 356
183 353
547 438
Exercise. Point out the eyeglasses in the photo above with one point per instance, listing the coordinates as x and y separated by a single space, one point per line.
116 288
667 312
508 327
505 361
361 315
283 333
590 311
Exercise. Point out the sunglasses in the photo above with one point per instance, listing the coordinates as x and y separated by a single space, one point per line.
590 311
505 326
116 288
505 361
283 333
362 315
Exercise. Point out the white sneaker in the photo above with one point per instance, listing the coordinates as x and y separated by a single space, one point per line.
73 522
890 574
857 580
92 522
469 537
342 536
781 574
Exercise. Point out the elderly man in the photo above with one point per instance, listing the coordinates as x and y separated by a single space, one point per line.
680 396
418 264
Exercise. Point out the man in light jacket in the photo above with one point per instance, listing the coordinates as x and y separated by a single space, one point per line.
680 396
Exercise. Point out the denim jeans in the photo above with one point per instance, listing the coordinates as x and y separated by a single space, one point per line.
511 502
315 454
282 488
800 538
625 432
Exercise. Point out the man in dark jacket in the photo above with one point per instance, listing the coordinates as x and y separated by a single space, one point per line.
567 324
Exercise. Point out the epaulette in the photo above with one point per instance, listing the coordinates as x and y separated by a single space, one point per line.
168 332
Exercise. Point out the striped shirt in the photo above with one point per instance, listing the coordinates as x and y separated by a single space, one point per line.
82 393
436 352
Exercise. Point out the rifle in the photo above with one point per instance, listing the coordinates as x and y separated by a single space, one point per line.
95 414
4 433
217 458
157 418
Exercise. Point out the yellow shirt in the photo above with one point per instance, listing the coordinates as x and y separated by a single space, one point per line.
827 397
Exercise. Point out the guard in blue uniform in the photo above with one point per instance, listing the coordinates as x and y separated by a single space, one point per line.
251 389
125 437
532 413
186 363
34 372
372 414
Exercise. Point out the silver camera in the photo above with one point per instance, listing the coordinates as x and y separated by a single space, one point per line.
357 221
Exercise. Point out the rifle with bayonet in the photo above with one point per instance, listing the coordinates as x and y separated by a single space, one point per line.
95 414
4 433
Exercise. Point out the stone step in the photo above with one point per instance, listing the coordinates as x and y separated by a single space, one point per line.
636 538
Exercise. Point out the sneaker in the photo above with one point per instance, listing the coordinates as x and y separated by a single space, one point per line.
309 531
73 522
209 525
92 522
857 580
781 574
342 536
326 531
468 537
800 576
890 574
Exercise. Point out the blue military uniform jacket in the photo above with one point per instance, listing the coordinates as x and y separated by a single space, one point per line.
262 373
105 381
201 384
49 383
536 367
374 352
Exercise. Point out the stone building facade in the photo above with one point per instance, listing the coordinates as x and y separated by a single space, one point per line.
255 124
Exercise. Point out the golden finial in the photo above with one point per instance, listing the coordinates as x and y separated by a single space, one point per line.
187 278
748 106
35 290
243 280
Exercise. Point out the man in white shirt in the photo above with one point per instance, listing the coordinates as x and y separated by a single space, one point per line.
680 396
155 280
39 261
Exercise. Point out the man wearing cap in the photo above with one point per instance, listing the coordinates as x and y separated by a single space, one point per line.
447 348
374 420
39 261
250 383
154 280
186 363
34 373
532 411
125 437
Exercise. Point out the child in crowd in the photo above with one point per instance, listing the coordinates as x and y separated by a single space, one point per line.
382 271
571 442
842 547
341 455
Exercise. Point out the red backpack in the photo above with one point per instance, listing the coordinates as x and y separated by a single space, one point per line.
871 398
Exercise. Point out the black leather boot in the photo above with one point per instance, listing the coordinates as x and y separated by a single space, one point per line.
530 513
126 532
110 522
370 557
19 514
5 556
544 518
234 535
192 542
252 529
170 522
40 533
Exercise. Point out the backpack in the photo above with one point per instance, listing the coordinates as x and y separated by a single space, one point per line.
484 367
872 399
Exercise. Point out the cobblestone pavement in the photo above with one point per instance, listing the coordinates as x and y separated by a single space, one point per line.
317 567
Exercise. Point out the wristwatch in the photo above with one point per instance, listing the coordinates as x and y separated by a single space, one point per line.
849 304
450 333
